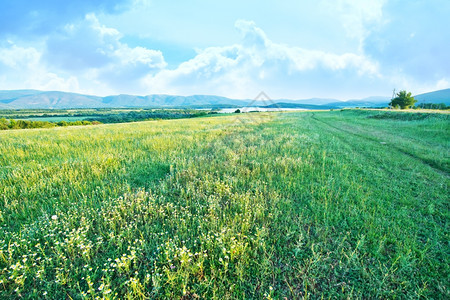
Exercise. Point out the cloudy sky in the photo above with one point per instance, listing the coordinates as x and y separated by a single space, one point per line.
289 49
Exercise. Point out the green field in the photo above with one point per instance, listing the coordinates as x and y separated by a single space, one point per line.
340 204
47 118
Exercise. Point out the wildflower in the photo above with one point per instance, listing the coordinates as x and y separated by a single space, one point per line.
54 217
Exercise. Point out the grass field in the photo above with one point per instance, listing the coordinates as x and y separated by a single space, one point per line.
55 119
47 118
340 204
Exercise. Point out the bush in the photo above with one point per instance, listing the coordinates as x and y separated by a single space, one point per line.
3 124
62 123
403 100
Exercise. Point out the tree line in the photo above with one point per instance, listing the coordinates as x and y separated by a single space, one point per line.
440 106
6 124
135 116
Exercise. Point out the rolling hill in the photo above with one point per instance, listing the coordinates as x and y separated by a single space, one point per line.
441 96
50 100
37 99
33 99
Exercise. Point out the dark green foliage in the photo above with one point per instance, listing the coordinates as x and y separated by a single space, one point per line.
403 100
27 124
62 123
3 124
134 116
440 106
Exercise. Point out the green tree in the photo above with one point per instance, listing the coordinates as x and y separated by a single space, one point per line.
12 124
403 100
62 123
3 124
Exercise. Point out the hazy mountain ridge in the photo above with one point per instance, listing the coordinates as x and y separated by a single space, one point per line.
441 96
167 100
20 99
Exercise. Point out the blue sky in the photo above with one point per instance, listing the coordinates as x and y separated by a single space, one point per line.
290 49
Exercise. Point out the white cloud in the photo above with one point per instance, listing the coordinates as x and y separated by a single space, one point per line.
18 58
24 68
82 57
358 17
443 83
140 55
52 82
29 19
90 45
257 63
414 42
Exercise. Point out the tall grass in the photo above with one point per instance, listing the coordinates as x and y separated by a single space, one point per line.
305 205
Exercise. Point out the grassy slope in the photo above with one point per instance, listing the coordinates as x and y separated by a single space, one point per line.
306 204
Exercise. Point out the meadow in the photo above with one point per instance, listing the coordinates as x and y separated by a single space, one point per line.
47 118
331 204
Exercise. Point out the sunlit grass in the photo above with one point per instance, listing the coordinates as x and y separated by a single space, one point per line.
309 204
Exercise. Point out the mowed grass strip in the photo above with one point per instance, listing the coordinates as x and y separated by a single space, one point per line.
304 205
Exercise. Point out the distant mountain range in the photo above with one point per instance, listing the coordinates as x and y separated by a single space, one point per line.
33 99
441 96
19 99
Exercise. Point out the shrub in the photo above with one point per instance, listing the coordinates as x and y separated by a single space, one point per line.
403 100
